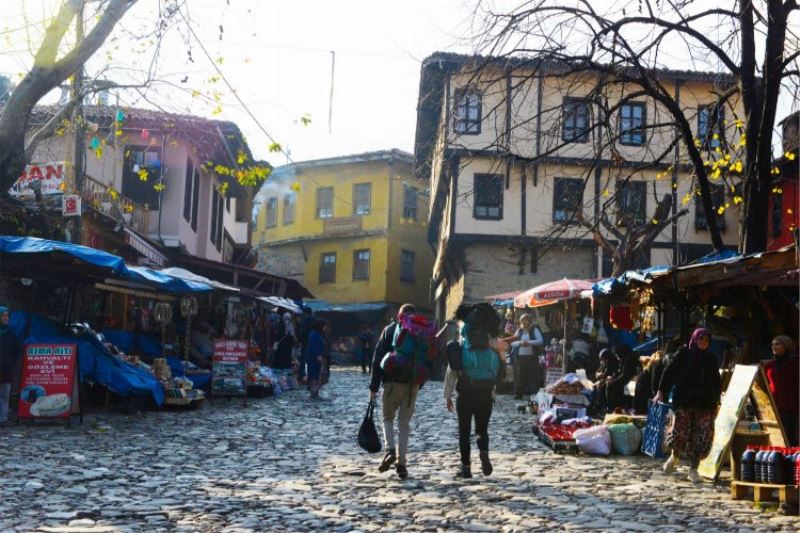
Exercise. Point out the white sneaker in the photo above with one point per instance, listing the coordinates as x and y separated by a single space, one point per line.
694 477
669 466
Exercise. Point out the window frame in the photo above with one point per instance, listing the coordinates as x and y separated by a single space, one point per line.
357 275
583 138
564 181
707 137
407 189
356 205
318 209
217 219
622 206
133 188
289 208
271 213
640 130
409 277
480 189
718 200
462 123
324 270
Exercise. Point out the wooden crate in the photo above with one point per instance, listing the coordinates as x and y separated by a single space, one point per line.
764 492
558 446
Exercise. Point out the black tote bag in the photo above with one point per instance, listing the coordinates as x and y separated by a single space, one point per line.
367 434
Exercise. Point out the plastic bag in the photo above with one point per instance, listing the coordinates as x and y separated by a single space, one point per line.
625 438
594 441
367 434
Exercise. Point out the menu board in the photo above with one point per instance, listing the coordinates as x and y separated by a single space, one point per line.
48 381
229 368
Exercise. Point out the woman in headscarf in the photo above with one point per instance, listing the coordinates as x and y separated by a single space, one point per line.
693 378
10 354
317 356
606 373
286 338
783 375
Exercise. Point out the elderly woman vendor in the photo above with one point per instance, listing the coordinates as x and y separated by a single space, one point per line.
783 375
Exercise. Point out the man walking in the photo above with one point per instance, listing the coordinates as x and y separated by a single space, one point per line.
399 397
10 353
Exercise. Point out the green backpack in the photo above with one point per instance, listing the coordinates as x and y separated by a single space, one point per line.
481 367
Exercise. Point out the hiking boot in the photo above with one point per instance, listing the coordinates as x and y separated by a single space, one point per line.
464 472
669 466
694 477
402 471
486 465
388 460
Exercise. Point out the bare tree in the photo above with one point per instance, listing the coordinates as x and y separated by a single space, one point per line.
633 45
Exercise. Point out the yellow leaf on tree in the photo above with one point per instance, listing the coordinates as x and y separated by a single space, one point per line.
738 200
686 199
720 210
790 156
739 123
143 174
295 186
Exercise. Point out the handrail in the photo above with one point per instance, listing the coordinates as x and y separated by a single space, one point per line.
104 198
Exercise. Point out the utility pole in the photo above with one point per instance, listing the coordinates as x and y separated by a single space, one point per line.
78 122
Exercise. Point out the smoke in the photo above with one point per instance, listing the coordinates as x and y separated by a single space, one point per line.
279 183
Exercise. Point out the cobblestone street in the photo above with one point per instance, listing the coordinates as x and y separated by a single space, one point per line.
284 464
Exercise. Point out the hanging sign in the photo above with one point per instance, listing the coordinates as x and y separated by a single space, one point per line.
71 205
48 381
49 175
588 325
229 368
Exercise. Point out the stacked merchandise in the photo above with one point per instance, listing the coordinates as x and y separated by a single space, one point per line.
284 380
770 464
260 380
179 391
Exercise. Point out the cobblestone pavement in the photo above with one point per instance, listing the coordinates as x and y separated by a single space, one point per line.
284 464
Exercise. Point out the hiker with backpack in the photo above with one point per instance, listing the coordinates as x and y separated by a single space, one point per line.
401 363
526 344
473 370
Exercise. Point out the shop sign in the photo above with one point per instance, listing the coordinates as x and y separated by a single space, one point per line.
335 226
145 249
71 205
588 325
48 381
49 175
552 375
229 368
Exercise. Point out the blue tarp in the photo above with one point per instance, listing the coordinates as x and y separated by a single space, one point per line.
34 245
321 305
606 286
128 342
713 257
165 281
96 364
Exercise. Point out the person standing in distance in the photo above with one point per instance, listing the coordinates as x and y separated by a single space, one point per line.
399 399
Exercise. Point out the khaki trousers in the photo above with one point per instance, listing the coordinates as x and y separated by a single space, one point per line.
396 398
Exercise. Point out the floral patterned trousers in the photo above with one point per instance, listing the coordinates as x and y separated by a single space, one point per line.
691 433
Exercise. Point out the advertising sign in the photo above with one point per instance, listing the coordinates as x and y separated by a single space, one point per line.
229 368
48 380
71 205
49 175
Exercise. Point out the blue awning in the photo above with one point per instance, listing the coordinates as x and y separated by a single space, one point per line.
165 281
607 286
33 245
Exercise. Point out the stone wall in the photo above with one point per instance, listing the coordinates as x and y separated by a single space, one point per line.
285 261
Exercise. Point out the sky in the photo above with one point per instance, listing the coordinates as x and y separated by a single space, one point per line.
277 56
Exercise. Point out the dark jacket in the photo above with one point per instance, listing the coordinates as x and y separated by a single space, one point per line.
383 346
695 377
783 379
10 356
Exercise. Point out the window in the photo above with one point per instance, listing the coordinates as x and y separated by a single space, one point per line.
242 209
409 202
325 202
141 173
406 265
717 201
467 112
632 120
191 194
271 212
362 198
576 120
631 200
361 264
228 204
327 268
217 215
705 119
288 209
567 199
488 197
777 215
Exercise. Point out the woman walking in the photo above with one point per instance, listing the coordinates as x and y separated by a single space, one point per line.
285 341
317 356
472 370
693 377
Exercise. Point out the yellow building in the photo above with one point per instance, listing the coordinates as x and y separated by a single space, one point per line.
352 229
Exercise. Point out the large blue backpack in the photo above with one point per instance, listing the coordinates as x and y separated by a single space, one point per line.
481 366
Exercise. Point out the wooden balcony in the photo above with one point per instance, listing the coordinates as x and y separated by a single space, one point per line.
105 199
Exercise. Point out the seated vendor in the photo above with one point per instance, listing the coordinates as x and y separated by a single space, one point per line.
783 375
606 373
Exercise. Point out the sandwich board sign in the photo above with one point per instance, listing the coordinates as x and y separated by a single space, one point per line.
747 382
49 386
229 368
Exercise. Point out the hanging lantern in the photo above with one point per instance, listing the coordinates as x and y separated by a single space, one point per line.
619 316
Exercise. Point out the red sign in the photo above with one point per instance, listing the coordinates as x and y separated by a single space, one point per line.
48 381
71 205
51 176
229 367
